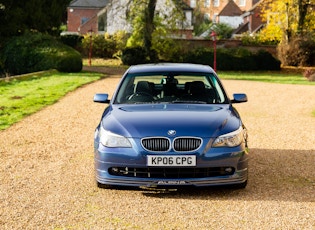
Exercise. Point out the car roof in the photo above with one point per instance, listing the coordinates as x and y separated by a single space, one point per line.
170 67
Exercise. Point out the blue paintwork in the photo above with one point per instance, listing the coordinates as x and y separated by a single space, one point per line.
136 121
156 120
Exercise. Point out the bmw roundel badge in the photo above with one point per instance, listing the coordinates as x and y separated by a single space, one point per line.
171 132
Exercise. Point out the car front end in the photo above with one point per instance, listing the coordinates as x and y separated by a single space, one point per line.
173 150
171 125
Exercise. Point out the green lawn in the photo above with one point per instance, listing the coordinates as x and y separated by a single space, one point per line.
23 96
272 77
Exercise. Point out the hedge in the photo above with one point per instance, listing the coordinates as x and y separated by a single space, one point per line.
234 59
36 52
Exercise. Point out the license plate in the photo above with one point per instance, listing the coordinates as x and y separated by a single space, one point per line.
161 160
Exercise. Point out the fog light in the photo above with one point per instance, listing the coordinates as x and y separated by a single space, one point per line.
115 170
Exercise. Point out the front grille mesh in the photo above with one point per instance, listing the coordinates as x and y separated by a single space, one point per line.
171 173
186 144
156 144
180 144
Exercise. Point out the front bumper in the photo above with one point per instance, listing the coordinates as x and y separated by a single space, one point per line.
127 167
238 177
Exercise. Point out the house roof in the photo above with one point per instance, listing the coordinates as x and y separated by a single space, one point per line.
231 9
242 28
88 3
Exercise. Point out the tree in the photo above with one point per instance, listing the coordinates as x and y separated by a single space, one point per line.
149 26
146 21
288 18
292 22
34 15
201 22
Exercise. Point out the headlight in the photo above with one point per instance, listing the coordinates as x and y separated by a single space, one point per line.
232 139
113 140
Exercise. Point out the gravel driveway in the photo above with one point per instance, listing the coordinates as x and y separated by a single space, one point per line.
47 178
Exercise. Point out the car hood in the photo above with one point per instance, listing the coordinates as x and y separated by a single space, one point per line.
157 119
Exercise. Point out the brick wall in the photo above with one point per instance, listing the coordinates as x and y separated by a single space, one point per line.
75 17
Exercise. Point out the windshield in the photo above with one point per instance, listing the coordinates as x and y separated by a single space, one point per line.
201 88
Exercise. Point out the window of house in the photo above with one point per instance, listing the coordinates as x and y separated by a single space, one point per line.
207 3
216 3
242 2
84 20
102 23
215 18
193 3
188 18
206 17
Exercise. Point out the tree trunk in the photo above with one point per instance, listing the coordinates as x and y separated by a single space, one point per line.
149 28
302 8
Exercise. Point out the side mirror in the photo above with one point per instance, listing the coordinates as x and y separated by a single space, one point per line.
239 98
101 98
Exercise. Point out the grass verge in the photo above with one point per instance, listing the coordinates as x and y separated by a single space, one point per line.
271 77
23 96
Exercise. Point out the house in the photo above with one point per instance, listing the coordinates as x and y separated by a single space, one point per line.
252 20
243 15
82 15
100 16
231 15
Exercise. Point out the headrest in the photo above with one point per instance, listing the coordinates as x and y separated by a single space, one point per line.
143 86
196 87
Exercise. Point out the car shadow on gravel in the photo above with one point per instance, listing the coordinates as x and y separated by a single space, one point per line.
278 175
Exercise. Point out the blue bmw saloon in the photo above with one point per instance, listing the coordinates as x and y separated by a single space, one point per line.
170 124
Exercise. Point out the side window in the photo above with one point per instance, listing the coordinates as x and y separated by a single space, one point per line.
218 89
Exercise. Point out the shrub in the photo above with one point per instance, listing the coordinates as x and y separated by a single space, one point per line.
199 55
70 62
299 51
120 38
223 30
234 59
133 56
36 52
72 40
2 72
257 39
168 49
103 48
265 61
309 74
104 45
